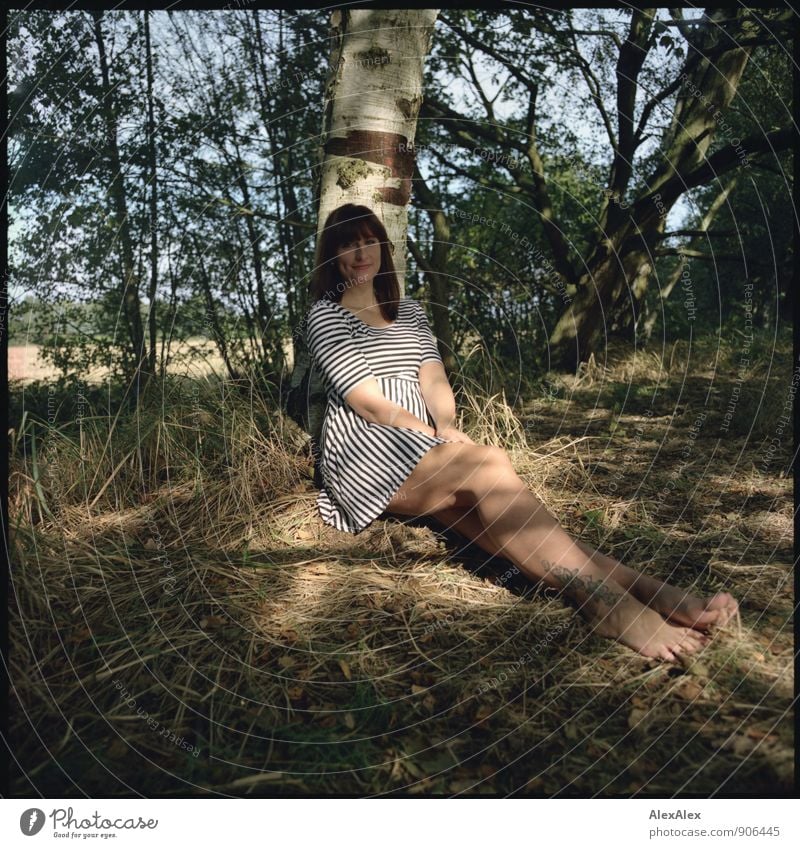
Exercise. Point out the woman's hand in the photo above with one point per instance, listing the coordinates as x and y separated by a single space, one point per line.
454 435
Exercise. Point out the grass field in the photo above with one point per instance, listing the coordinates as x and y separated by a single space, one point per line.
183 623
196 356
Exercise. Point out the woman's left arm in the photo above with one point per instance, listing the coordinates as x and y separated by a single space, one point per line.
437 394
435 386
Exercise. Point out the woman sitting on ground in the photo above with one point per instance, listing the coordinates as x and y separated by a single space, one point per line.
389 444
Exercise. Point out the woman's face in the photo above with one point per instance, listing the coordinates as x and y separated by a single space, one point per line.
360 260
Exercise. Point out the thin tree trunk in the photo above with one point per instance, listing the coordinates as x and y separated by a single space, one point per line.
211 311
151 155
696 242
130 285
168 317
269 336
282 142
435 268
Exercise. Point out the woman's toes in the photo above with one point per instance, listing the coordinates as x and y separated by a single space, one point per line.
693 640
710 616
725 606
690 646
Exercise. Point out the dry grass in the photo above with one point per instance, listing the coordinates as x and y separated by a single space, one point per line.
183 561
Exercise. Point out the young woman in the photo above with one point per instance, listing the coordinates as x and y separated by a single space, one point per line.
389 444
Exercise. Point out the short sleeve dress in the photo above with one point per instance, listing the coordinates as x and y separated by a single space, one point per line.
364 464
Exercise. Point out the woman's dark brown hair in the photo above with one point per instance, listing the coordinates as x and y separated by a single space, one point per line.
343 226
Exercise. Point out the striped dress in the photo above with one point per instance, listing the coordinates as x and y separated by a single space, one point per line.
363 464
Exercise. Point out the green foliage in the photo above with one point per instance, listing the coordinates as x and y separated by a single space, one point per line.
226 130
237 109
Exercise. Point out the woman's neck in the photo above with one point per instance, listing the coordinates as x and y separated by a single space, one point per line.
361 302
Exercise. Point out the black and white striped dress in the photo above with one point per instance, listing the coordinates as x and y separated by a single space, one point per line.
364 464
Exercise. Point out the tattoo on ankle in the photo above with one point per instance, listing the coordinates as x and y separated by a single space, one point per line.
594 589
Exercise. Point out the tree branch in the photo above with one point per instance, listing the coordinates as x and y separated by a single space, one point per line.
462 172
479 88
693 233
419 258
490 51
629 66
718 164
604 32
697 254
593 85
467 130
727 158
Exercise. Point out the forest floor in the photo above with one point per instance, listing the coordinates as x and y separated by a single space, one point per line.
184 624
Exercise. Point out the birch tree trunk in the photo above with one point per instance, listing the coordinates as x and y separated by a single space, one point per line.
372 100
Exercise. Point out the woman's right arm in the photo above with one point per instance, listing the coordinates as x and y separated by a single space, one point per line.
370 403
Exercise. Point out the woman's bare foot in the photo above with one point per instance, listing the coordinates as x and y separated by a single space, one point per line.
614 612
678 606
643 629
682 607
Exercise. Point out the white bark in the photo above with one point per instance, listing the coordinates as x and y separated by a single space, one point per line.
372 101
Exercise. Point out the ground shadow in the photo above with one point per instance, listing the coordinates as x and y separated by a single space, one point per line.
501 571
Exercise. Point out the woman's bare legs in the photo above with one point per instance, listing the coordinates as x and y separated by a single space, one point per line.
482 477
676 605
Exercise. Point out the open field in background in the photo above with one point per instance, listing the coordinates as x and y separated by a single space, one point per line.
198 357
187 566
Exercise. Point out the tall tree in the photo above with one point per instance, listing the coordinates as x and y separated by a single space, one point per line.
151 161
131 300
610 276
372 100
623 259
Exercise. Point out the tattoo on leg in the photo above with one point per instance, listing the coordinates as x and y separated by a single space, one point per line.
595 589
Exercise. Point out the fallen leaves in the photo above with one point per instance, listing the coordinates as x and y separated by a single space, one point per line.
689 689
289 636
295 693
637 716
482 713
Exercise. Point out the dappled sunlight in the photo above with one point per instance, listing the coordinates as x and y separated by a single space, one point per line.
274 626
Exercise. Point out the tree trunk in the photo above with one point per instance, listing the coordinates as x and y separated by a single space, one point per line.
130 285
435 268
698 240
272 349
618 272
373 95
282 139
151 156
212 316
